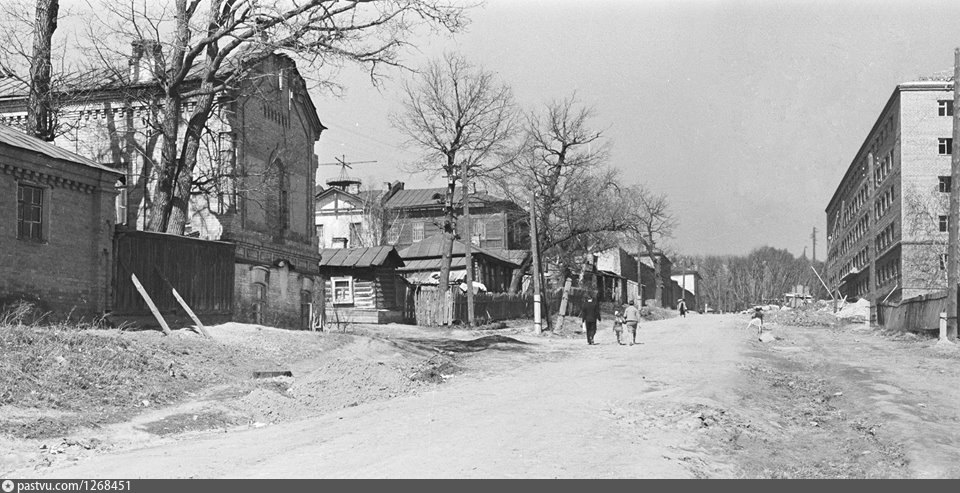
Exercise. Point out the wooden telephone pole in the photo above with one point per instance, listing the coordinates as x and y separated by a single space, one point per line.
535 251
953 250
813 237
467 245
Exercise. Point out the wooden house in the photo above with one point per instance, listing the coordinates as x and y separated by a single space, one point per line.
416 214
362 285
422 262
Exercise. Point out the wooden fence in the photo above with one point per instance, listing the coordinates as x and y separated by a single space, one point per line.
914 314
431 308
201 271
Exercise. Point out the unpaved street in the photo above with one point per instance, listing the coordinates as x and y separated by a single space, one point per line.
700 398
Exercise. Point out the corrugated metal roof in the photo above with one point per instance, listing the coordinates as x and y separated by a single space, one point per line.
433 247
15 138
434 197
432 264
359 257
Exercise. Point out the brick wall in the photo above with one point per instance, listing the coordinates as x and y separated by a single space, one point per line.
281 305
69 270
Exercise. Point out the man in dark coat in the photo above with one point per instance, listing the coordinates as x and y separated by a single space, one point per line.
590 313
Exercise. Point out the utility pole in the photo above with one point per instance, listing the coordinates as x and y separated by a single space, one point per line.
535 251
953 235
814 238
468 245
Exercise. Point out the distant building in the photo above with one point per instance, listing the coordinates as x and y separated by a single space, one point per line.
422 263
689 282
887 219
616 272
415 214
649 281
56 234
345 220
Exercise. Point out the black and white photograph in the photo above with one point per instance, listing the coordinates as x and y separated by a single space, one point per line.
477 239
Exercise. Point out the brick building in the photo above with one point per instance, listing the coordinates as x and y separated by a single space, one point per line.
887 219
256 166
56 225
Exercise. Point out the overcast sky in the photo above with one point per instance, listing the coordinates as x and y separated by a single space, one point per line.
745 113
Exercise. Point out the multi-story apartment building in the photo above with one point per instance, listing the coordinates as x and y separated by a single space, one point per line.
887 220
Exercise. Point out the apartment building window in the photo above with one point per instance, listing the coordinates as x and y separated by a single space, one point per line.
945 107
944 223
417 232
29 212
945 184
945 146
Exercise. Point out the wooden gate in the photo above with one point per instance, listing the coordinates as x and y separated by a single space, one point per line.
201 271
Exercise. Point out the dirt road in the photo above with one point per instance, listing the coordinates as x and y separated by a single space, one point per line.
700 398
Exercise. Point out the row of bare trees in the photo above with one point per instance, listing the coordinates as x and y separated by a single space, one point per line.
732 282
552 158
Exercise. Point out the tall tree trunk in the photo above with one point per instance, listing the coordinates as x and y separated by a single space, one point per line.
39 104
170 162
449 231
517 279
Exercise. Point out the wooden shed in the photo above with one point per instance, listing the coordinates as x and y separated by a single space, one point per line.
362 285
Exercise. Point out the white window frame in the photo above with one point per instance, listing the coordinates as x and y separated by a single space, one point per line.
417 233
346 300
945 107
945 146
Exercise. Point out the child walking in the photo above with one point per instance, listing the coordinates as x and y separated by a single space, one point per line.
618 326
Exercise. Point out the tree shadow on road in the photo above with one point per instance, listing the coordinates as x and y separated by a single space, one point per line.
497 342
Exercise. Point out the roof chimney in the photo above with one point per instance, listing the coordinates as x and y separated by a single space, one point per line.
144 68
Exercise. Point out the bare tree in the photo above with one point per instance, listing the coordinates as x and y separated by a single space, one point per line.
39 114
652 222
36 64
459 116
561 159
377 218
207 46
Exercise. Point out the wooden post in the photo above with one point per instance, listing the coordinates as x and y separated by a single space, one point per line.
468 233
537 324
953 234
153 308
193 316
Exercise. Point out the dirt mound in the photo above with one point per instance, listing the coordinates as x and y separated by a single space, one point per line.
803 317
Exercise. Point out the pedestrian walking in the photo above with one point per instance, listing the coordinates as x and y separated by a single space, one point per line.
757 319
682 307
590 314
631 317
618 326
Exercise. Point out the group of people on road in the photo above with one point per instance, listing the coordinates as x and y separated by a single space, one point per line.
629 317
590 314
